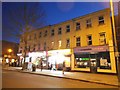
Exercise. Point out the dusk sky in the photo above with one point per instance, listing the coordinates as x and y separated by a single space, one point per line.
57 12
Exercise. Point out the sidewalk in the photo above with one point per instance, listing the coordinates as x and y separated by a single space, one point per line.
81 76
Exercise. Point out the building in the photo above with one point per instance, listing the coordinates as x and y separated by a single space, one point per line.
6 55
85 44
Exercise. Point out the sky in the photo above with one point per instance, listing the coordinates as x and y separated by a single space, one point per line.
56 12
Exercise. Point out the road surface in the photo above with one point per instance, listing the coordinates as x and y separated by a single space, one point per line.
14 79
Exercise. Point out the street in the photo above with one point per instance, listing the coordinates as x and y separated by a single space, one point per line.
13 79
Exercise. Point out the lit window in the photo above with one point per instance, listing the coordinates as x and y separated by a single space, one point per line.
60 42
68 28
101 20
102 38
52 45
89 39
77 26
78 41
67 43
88 23
52 32
59 30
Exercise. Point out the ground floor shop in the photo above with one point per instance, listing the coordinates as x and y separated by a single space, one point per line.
94 59
57 57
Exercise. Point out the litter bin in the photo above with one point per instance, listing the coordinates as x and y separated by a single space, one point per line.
33 68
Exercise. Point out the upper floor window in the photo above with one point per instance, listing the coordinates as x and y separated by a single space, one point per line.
77 25
67 43
101 20
68 28
34 35
52 32
52 45
59 30
60 43
78 41
45 33
89 39
102 38
40 34
88 23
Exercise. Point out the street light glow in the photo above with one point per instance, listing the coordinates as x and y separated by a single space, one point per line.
9 50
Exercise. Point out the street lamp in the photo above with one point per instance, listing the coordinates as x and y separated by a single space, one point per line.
115 41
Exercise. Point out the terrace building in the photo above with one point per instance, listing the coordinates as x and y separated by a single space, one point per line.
85 43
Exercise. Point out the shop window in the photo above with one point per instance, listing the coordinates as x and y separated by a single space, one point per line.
45 34
68 28
101 20
78 41
40 34
67 43
89 39
88 23
102 38
59 30
52 32
78 26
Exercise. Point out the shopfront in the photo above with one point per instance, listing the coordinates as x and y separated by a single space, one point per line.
57 57
93 59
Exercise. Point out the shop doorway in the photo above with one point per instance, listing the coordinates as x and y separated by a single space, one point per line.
93 65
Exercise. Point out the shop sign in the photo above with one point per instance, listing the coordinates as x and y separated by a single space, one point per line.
84 58
91 49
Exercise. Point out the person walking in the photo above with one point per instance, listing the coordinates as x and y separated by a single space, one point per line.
41 64
63 67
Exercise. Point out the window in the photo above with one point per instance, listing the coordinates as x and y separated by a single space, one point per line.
102 38
68 28
44 45
101 20
45 33
52 32
88 23
67 43
78 41
77 26
40 34
59 30
60 42
89 39
52 45
34 35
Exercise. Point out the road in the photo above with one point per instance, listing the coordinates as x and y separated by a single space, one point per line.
13 79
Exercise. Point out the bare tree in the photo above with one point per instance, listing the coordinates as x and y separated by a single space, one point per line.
22 19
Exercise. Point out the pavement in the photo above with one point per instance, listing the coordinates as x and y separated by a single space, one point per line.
106 79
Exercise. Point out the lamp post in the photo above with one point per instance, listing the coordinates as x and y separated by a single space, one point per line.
115 41
9 50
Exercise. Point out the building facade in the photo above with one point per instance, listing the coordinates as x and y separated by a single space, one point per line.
85 44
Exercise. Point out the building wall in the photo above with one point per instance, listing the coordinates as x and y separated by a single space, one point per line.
83 32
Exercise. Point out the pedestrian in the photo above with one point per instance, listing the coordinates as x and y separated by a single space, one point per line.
30 65
51 66
63 67
41 64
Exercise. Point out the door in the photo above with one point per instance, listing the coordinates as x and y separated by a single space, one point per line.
93 65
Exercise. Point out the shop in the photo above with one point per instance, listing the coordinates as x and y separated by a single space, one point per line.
57 57
94 59
35 57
